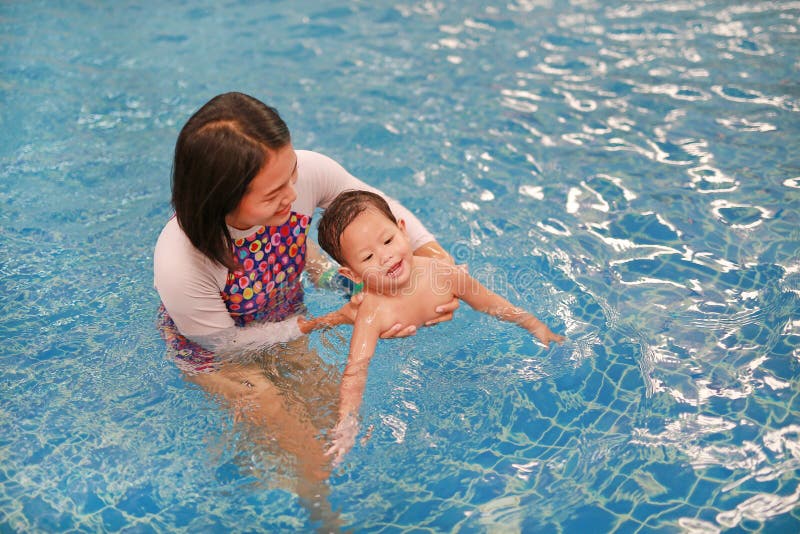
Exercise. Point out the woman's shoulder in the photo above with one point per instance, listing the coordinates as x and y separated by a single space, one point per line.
310 161
306 156
174 255
320 179
171 240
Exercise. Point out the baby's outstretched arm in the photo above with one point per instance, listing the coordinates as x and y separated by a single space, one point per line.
366 331
480 298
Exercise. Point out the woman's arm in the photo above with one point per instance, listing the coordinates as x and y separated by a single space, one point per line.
321 179
344 315
189 286
317 262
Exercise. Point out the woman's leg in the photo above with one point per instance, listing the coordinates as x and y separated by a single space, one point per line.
288 398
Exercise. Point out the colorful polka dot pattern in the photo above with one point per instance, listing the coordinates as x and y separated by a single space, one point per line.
188 355
266 286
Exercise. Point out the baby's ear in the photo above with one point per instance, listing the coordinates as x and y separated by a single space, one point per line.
402 225
349 274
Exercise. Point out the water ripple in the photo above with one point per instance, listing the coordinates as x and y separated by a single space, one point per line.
678 92
740 215
707 179
794 183
760 507
744 125
750 96
629 167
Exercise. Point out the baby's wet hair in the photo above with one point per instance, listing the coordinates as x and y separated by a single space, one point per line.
341 213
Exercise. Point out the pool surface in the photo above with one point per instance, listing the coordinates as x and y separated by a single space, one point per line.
629 172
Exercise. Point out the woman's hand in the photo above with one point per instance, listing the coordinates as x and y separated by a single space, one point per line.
348 312
399 330
445 312
347 315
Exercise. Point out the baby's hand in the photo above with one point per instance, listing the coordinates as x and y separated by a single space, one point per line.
343 438
545 335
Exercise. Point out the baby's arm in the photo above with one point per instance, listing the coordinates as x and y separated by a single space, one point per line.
354 379
483 300
366 331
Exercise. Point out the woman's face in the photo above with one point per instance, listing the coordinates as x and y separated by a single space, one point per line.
269 197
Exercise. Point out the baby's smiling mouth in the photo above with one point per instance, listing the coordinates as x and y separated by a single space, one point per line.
394 268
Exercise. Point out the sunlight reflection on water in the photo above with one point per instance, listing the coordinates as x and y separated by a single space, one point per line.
625 171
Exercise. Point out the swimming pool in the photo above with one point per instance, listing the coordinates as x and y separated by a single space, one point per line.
628 172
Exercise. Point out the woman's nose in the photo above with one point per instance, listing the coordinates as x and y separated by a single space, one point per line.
291 197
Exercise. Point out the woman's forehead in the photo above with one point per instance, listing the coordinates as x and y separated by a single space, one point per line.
279 169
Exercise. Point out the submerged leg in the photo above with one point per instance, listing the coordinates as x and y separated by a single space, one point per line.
285 401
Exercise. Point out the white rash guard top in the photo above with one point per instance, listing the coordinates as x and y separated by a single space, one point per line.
192 287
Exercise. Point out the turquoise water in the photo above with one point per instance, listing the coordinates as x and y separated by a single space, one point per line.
626 171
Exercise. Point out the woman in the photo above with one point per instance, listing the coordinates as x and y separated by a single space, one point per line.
228 266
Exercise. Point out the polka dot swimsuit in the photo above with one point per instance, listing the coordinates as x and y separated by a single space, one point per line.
265 287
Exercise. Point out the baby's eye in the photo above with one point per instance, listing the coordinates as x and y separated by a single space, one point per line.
388 240
367 258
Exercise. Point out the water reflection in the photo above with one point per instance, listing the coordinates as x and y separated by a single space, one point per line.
705 332
708 179
626 168
751 96
739 215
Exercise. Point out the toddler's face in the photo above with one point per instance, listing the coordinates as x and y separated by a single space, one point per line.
377 251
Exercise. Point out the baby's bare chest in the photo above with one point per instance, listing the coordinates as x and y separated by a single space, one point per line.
415 306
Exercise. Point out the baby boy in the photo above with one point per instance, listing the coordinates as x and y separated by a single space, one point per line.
360 232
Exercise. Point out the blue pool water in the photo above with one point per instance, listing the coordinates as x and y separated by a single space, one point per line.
627 171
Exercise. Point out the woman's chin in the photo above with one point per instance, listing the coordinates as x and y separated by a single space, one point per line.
279 218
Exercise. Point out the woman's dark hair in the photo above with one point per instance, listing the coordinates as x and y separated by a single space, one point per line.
219 151
343 210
